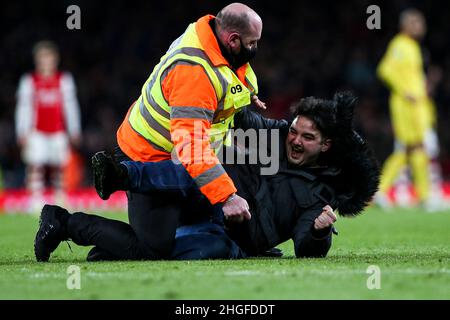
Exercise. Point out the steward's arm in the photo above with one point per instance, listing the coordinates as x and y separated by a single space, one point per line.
192 100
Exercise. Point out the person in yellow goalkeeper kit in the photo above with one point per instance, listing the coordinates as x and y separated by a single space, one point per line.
401 68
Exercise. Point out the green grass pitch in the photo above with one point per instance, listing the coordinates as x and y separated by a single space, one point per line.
411 248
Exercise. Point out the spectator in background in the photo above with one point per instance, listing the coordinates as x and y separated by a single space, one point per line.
47 121
401 69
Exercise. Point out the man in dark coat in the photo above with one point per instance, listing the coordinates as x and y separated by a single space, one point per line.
323 164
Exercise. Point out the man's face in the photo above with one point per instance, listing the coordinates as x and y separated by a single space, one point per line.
46 61
416 26
305 143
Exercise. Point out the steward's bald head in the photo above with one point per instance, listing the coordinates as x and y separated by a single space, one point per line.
238 17
238 29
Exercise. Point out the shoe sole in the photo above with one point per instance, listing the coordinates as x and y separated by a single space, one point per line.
99 173
40 256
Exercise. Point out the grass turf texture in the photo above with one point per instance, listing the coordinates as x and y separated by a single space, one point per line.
411 248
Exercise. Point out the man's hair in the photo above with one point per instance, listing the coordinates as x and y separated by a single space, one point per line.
331 117
45 44
233 22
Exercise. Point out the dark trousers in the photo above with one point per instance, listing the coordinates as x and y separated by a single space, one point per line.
169 199
153 220
149 235
204 240
153 232
166 175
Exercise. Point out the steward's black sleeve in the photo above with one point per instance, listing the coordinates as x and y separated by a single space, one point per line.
247 119
309 242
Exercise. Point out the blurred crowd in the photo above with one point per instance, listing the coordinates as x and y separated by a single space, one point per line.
307 48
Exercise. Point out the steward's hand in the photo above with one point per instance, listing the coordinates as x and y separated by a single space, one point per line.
326 218
236 209
259 103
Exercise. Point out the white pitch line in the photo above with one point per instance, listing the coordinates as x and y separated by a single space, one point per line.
245 273
332 272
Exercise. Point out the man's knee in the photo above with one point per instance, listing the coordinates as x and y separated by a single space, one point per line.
151 250
154 219
219 248
203 246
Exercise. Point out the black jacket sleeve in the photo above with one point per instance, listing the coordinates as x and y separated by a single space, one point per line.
247 119
309 242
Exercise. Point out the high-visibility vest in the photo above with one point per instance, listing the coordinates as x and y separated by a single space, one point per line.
146 133
150 116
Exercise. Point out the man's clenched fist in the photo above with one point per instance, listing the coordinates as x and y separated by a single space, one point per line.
326 218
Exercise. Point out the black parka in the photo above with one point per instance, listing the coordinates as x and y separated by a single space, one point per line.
285 205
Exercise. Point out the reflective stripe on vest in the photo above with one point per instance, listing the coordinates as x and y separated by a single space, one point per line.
151 114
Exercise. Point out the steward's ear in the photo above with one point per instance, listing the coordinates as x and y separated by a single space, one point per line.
233 39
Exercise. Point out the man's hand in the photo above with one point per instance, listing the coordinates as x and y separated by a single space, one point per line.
326 218
258 103
236 209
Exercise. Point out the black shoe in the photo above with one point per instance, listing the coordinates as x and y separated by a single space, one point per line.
109 176
273 252
97 254
52 230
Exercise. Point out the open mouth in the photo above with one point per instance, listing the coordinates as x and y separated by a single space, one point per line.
296 152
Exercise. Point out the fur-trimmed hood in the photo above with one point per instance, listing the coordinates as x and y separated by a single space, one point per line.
360 175
360 169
